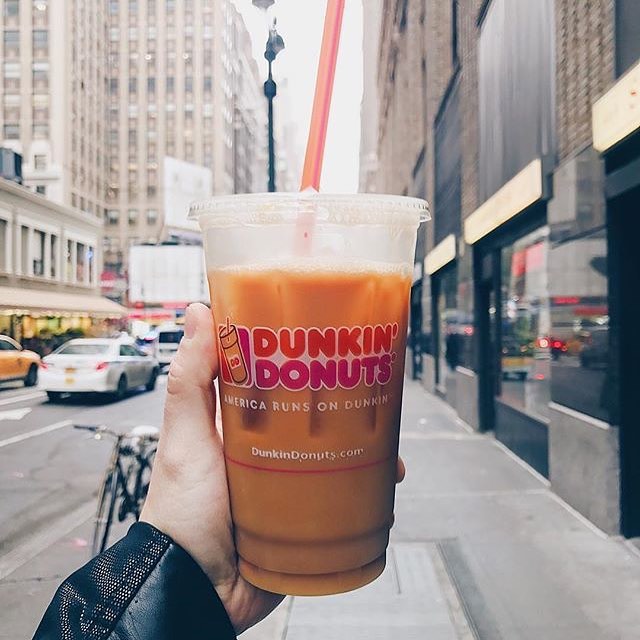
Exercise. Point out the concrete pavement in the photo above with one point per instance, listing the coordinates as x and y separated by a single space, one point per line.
480 549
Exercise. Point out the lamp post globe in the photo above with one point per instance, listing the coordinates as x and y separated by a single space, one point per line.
263 4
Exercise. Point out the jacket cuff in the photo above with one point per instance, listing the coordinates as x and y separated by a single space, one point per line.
146 585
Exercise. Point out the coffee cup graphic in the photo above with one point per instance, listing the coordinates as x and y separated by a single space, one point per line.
233 353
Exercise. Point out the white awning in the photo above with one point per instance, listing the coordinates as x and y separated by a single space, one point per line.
41 301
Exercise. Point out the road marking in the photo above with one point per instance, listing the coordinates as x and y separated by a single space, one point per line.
35 432
44 538
15 414
23 398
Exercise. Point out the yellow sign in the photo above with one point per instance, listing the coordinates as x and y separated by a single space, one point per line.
443 253
617 113
515 196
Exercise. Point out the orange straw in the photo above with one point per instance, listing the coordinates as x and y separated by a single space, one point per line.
322 100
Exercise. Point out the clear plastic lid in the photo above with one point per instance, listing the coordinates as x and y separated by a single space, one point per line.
285 208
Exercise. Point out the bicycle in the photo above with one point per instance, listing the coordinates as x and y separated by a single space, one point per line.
126 478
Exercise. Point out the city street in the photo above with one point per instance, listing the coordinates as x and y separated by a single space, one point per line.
49 479
481 547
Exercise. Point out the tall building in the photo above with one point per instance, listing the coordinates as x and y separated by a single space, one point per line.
248 109
371 25
288 159
53 74
528 137
177 88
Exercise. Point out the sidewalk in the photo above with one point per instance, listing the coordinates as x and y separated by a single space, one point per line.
481 549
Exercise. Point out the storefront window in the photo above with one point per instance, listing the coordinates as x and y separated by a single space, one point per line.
526 325
580 312
465 311
448 332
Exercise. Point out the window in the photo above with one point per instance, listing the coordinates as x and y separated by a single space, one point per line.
40 113
83 348
114 34
6 344
11 44
39 14
188 84
208 84
40 43
113 216
133 33
3 244
40 79
151 85
39 162
170 84
152 216
81 256
113 7
11 8
133 85
40 130
113 86
171 5
11 131
133 6
152 191
54 255
526 325
38 252
41 189
132 215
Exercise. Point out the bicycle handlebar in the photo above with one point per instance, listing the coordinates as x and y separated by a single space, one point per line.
100 429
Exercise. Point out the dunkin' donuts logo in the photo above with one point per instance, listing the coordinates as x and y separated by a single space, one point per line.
307 358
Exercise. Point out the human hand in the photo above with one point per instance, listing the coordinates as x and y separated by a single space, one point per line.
188 497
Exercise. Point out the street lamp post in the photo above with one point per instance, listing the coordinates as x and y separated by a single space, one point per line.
275 44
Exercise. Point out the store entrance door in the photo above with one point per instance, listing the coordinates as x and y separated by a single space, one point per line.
625 228
488 338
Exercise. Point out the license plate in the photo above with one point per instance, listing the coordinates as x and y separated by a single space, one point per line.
70 370
69 380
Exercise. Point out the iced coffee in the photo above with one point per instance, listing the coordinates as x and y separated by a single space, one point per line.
311 372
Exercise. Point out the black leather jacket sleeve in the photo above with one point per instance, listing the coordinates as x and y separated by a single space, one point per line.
144 587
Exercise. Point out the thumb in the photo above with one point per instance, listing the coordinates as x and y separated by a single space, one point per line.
189 413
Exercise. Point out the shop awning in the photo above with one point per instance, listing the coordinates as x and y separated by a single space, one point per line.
41 301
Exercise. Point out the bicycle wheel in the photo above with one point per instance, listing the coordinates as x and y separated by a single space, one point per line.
104 514
142 482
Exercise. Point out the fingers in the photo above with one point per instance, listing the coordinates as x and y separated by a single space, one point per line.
190 406
401 472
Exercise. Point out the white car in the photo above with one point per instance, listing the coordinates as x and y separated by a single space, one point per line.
169 337
92 365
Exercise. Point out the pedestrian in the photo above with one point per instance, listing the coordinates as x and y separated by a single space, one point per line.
175 574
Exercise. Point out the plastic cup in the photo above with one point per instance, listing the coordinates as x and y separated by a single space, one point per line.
311 372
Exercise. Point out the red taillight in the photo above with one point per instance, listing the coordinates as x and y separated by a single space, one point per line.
557 344
101 366
43 365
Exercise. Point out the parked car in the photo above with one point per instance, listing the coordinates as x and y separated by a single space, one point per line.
169 337
17 363
109 365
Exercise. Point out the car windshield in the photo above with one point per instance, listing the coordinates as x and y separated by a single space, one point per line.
82 349
170 337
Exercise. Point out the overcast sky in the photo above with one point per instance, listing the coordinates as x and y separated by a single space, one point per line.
300 24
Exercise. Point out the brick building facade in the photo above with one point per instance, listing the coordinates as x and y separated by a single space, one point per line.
523 318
